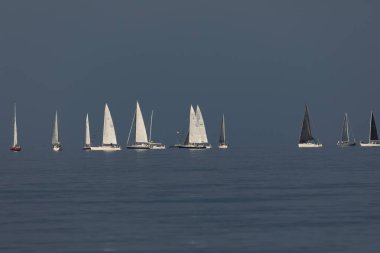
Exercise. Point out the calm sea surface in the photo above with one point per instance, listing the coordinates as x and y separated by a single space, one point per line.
239 200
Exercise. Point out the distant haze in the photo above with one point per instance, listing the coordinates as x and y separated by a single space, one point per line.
258 62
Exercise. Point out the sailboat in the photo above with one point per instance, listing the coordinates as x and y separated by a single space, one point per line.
140 135
141 138
16 147
152 144
346 140
306 138
197 136
109 135
373 140
55 140
87 143
222 139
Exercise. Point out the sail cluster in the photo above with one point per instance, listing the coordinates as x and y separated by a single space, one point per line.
197 129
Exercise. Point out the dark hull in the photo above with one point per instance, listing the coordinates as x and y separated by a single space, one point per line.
16 149
346 144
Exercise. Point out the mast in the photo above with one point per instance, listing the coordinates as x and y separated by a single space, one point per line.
150 128
15 141
130 129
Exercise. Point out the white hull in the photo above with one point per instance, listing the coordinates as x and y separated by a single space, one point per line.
223 146
193 146
105 148
310 145
57 148
156 146
368 145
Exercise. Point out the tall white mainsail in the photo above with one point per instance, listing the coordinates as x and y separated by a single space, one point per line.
55 140
88 138
109 135
201 126
140 134
15 129
193 135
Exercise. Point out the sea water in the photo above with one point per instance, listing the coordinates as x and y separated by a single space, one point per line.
259 199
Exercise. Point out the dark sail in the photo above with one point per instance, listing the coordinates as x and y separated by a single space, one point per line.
373 131
345 135
306 130
222 138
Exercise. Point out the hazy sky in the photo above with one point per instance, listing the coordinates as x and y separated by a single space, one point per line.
259 62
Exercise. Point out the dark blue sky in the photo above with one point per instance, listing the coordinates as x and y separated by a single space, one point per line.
257 61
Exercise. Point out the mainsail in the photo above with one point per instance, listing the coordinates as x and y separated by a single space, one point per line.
201 126
373 130
140 135
55 140
345 132
193 135
15 129
306 135
222 137
109 135
88 138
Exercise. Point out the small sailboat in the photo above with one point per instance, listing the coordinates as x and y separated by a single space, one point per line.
87 143
152 144
197 136
346 140
140 135
222 138
15 147
55 139
373 139
109 135
306 138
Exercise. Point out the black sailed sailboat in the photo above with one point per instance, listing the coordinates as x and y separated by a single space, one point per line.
222 138
306 138
346 140
373 140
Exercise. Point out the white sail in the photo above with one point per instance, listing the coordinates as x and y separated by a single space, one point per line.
201 126
55 139
109 135
140 135
15 129
88 138
193 136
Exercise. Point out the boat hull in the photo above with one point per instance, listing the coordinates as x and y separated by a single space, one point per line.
57 148
193 146
310 145
223 146
369 145
106 148
86 148
16 148
138 147
346 144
